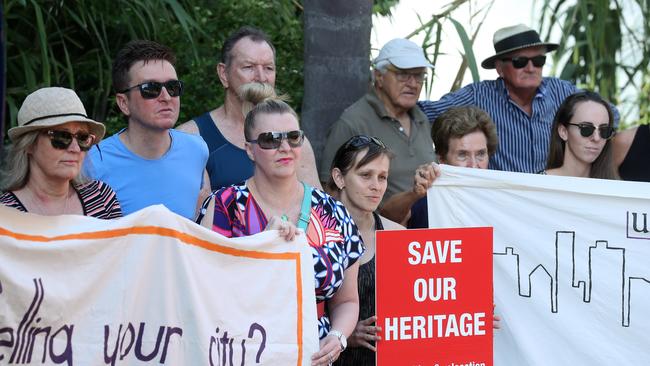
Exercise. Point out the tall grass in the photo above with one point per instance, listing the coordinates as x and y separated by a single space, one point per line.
72 43
432 29
603 47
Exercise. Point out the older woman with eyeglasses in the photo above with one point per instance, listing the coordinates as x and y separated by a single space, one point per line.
274 198
42 174
581 138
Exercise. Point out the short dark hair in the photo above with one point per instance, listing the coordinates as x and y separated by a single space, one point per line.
347 154
255 34
134 51
457 122
603 166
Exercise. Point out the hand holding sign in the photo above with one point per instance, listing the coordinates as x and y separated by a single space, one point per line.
434 293
364 333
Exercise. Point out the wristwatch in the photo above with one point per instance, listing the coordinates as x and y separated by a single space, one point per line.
341 337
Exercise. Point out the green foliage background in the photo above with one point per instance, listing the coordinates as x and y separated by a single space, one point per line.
72 44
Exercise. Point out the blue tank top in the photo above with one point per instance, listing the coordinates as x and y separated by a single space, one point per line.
227 163
140 182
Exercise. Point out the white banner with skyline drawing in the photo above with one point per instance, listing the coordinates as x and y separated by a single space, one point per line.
151 288
571 273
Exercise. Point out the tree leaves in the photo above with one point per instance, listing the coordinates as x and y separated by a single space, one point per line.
603 49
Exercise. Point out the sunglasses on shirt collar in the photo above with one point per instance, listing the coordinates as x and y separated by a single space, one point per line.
273 140
520 62
152 89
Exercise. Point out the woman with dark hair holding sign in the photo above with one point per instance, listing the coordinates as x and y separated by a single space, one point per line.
274 199
359 177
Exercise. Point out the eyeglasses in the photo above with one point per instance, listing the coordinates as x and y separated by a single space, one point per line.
481 155
61 139
587 129
273 140
361 141
152 89
404 76
522 61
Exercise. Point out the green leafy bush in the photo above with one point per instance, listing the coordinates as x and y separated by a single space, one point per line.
72 44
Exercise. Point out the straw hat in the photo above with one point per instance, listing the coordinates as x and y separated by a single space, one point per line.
514 38
53 106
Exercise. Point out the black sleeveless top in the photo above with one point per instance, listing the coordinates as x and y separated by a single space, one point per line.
362 356
635 165
227 163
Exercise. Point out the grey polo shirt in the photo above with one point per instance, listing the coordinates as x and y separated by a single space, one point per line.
368 116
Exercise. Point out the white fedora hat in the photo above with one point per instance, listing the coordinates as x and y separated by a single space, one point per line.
514 38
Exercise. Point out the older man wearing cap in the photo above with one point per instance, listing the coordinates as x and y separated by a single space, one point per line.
389 112
521 102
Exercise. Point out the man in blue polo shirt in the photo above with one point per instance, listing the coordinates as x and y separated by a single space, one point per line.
521 102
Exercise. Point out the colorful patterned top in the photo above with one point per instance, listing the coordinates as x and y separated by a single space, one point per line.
332 235
97 200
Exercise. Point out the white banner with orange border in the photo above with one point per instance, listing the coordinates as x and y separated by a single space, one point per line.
570 256
151 288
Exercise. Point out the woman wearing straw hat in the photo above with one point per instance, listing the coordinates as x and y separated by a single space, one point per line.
42 174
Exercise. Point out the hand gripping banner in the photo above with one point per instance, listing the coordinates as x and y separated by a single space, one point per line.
571 273
151 288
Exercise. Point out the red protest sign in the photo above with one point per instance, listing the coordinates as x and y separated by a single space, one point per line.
434 297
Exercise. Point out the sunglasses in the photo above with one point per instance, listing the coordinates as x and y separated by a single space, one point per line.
273 140
361 141
587 129
61 139
152 89
522 61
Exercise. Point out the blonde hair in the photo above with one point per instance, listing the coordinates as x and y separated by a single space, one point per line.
261 98
15 174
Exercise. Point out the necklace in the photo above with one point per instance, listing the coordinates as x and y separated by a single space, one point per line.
289 213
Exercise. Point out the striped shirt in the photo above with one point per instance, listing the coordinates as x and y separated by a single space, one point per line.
523 139
97 200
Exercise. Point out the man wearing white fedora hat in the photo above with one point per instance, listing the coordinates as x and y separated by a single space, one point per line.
389 112
149 162
521 102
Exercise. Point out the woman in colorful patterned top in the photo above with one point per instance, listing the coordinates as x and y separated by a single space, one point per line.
42 174
272 199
